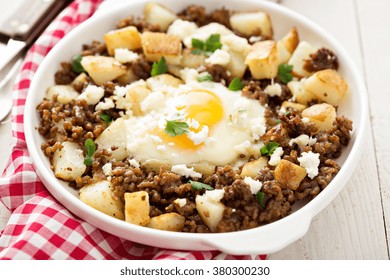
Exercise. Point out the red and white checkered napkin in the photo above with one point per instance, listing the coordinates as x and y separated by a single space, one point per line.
39 226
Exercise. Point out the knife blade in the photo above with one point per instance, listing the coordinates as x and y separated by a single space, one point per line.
24 23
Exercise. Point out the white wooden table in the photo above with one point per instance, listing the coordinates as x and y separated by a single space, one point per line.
356 225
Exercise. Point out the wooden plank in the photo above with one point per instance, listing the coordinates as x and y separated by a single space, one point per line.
349 228
374 23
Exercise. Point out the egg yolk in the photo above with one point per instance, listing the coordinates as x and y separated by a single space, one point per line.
205 107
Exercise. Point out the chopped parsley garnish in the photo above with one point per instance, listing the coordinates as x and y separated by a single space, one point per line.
260 199
106 118
205 78
159 67
209 46
91 148
199 186
176 128
284 73
269 148
76 64
236 84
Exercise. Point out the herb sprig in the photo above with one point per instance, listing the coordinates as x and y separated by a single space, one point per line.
106 118
269 148
90 146
284 73
76 64
200 186
260 198
207 47
205 78
159 67
176 128
236 84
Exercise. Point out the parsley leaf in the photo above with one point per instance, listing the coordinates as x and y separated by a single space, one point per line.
284 73
260 198
269 148
236 84
159 67
76 64
199 186
205 78
209 46
106 118
175 128
91 148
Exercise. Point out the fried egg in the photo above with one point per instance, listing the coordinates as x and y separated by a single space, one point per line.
222 125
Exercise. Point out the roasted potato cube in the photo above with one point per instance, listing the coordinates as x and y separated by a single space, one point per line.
252 168
210 208
236 66
204 168
287 45
299 57
289 174
157 82
68 161
158 14
136 95
192 60
64 93
300 93
100 197
114 136
127 38
327 85
81 78
263 60
174 70
156 45
102 68
248 24
322 115
169 221
293 105
128 77
137 208
154 165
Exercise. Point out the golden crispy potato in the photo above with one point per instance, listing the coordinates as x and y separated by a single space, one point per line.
156 45
287 45
64 93
190 60
102 68
137 208
252 168
114 136
210 208
289 174
156 82
160 15
299 57
248 24
204 168
236 66
128 77
127 38
68 162
327 85
168 221
263 60
293 105
322 115
100 197
300 93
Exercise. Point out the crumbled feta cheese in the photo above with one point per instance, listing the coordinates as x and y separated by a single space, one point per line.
156 139
276 156
182 28
107 169
273 90
305 120
123 103
257 128
192 123
219 57
125 56
215 195
303 140
92 94
107 104
161 148
199 137
243 148
310 161
254 185
180 201
134 163
153 102
188 74
240 118
254 39
183 170
235 43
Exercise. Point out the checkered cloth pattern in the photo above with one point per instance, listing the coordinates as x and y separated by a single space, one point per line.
39 226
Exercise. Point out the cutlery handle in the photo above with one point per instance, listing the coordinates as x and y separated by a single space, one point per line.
30 18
